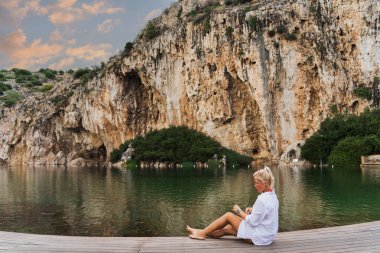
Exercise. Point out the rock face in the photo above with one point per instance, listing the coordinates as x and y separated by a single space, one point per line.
258 77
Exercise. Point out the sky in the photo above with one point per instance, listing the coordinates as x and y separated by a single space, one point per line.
69 34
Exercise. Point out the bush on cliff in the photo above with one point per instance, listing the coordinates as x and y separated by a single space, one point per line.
151 31
11 97
179 145
333 138
363 92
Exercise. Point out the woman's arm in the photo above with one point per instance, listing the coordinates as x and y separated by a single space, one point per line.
257 215
237 210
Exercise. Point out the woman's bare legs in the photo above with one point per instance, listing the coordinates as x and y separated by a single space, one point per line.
219 226
227 230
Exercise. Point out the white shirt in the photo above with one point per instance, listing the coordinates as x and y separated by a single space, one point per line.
261 226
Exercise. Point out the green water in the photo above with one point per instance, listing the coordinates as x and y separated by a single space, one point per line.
113 202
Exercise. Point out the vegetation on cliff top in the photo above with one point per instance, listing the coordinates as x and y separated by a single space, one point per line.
178 145
341 140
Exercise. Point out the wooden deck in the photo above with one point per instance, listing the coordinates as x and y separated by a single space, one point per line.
363 237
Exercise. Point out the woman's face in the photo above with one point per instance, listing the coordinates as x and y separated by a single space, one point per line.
259 185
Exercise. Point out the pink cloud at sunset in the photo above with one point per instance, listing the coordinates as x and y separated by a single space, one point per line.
107 25
69 33
101 7
23 55
65 17
63 63
90 52
64 4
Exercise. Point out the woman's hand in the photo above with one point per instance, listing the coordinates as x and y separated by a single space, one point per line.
248 210
236 209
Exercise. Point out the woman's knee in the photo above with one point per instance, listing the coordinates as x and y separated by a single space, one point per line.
228 215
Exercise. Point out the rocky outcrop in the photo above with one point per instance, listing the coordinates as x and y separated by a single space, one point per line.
258 77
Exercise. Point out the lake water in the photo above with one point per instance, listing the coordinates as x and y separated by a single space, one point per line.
113 202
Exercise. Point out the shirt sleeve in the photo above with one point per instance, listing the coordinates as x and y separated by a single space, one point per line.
258 214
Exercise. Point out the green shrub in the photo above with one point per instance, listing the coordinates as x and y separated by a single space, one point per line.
363 92
192 14
291 36
236 2
349 150
281 29
207 25
46 88
271 33
5 86
21 72
176 144
62 98
334 109
115 155
131 164
150 31
11 97
86 74
333 130
229 31
81 72
128 47
22 79
253 23
35 81
234 158
50 74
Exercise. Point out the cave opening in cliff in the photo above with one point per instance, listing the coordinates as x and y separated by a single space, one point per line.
136 99
255 151
98 154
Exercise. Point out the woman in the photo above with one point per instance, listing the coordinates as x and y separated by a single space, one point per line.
258 224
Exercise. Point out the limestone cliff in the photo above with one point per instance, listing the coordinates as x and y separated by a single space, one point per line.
258 77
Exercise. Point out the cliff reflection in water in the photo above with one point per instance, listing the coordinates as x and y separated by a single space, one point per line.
112 202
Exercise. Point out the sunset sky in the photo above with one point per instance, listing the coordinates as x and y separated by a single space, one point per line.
65 34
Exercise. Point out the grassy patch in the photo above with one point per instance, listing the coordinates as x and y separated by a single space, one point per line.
11 97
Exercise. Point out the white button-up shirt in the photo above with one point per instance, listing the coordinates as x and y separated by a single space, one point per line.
261 226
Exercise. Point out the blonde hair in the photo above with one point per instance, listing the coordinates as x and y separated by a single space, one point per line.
265 174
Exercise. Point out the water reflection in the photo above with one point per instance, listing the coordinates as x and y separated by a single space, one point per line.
113 202
371 173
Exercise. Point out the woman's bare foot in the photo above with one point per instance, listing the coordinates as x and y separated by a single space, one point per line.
197 236
191 230
194 233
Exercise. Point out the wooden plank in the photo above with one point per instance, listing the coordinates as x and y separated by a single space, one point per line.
352 238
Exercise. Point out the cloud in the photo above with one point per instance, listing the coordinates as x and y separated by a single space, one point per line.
107 25
14 11
63 63
90 52
13 40
23 55
64 4
153 14
101 7
65 17
72 42
55 36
